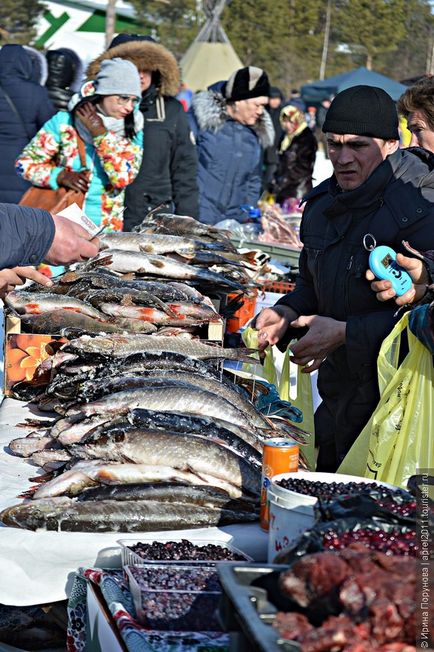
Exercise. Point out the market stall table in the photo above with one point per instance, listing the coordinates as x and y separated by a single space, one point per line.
39 567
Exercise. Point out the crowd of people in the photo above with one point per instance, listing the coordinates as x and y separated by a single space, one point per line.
143 151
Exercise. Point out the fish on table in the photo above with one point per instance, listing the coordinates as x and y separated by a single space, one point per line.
64 514
118 345
124 262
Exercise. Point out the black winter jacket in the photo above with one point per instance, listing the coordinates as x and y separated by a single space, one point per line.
394 204
26 235
294 173
33 105
64 76
169 165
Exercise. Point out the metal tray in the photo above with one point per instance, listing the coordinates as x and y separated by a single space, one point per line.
246 611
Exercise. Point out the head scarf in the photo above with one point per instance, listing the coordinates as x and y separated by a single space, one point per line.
298 119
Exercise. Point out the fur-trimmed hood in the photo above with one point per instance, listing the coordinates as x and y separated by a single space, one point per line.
146 56
211 113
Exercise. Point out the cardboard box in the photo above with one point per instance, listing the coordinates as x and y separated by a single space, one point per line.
24 352
2 352
102 635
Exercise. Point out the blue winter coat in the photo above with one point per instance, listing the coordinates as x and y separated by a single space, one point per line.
229 158
26 234
34 106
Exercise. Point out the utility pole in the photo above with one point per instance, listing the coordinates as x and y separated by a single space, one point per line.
325 47
110 21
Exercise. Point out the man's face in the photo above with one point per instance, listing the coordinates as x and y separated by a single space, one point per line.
354 158
421 133
249 111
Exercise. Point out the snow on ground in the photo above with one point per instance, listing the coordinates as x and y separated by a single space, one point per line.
323 168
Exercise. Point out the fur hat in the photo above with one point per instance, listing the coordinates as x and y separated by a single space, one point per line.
246 83
363 111
146 56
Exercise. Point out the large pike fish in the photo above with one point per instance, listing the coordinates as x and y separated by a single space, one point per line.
115 346
91 390
170 492
167 397
66 514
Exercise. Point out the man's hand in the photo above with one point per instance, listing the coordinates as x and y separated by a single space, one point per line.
74 180
418 274
272 324
90 119
9 278
324 336
71 243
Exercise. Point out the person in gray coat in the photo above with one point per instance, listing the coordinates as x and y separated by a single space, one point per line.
231 128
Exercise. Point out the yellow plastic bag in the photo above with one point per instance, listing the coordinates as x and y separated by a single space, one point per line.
279 370
398 438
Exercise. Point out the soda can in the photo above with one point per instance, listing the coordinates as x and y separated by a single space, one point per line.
280 456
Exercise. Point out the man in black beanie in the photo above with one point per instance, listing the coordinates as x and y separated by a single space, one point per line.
376 189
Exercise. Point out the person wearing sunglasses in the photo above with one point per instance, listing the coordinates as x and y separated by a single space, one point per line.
95 147
167 177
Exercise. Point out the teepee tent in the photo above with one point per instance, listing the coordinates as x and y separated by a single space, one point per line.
211 57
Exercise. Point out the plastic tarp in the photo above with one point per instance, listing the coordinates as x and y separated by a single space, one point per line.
206 63
317 91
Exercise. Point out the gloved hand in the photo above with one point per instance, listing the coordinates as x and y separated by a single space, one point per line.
74 180
89 117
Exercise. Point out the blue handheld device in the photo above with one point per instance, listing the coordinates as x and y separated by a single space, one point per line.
382 262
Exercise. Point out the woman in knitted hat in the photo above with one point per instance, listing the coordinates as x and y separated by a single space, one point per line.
167 175
231 129
103 122
297 153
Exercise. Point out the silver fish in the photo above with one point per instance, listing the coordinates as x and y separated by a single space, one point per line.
181 313
152 264
88 473
64 514
155 243
37 303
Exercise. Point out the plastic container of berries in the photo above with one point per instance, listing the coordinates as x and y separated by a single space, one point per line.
303 488
202 552
292 499
175 597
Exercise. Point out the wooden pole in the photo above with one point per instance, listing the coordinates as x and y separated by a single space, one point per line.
325 47
110 21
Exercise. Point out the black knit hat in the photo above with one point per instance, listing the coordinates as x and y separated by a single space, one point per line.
246 83
127 38
363 111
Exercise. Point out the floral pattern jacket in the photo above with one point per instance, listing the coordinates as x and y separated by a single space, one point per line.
113 161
